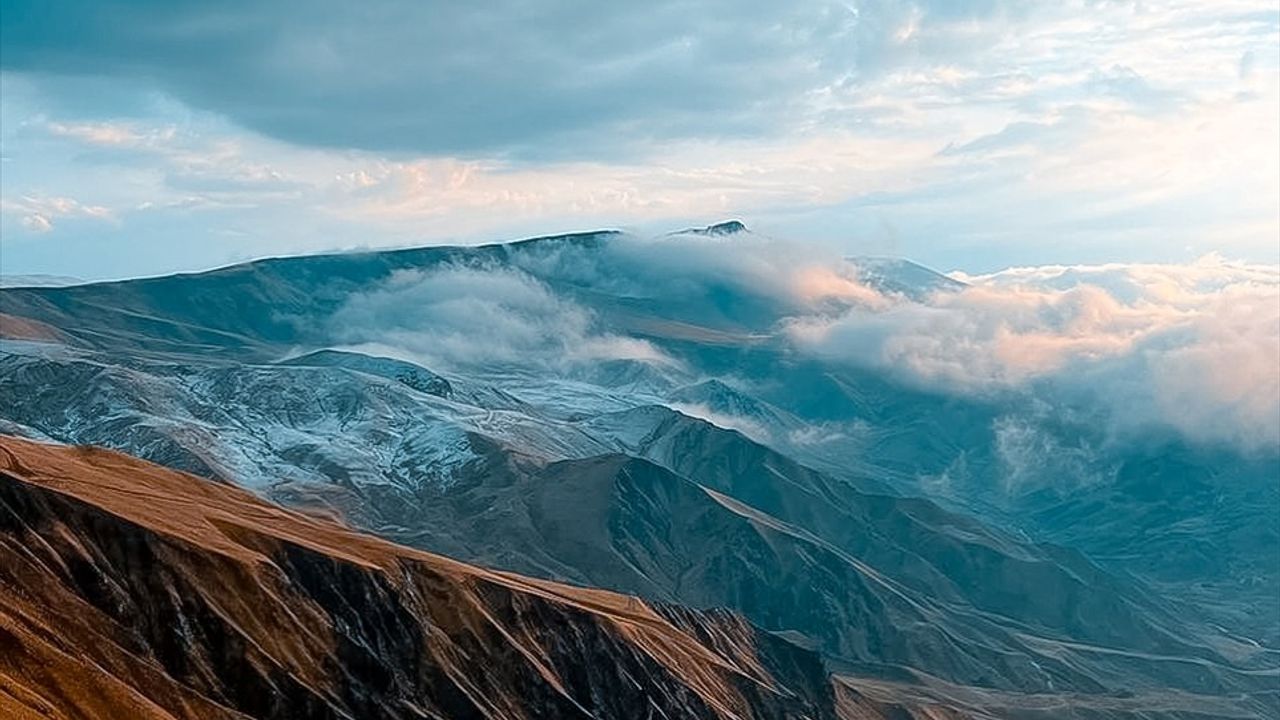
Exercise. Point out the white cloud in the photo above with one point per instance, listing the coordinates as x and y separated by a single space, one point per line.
115 134
39 213
797 276
35 222
1193 347
476 317
1031 456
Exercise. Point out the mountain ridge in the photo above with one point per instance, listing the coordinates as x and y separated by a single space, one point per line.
241 375
80 507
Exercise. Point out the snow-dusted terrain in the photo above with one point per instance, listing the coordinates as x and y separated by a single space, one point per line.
584 408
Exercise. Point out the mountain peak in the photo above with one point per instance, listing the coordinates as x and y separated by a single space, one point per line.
728 227
902 276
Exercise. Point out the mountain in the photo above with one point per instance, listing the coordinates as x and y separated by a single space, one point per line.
411 375
640 501
128 590
1193 519
729 227
202 601
38 280
726 405
896 275
668 442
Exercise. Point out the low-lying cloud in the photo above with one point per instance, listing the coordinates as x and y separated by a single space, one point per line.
456 317
1192 347
795 277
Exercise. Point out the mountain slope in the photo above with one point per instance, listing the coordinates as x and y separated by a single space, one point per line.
130 590
249 374
869 579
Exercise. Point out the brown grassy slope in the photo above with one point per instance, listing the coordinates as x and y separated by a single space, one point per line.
130 590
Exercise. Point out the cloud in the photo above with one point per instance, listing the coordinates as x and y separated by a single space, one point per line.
980 337
512 75
1214 377
523 314
1032 457
35 222
1123 132
38 213
786 275
547 79
114 134
841 283
1194 348
479 317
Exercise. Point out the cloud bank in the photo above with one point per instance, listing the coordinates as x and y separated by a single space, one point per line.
1195 347
468 317
1192 349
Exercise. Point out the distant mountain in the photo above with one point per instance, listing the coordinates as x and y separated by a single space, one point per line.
37 280
903 277
730 227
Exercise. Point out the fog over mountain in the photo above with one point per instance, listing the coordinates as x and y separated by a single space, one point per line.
737 360
1156 337
981 493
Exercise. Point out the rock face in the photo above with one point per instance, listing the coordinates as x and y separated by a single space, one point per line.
128 590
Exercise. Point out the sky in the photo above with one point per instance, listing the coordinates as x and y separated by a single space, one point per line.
139 138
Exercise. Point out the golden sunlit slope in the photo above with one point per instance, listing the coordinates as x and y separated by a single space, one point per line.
131 591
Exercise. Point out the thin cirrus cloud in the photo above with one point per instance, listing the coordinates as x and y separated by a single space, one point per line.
39 213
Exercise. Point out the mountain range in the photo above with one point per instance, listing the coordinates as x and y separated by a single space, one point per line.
583 409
